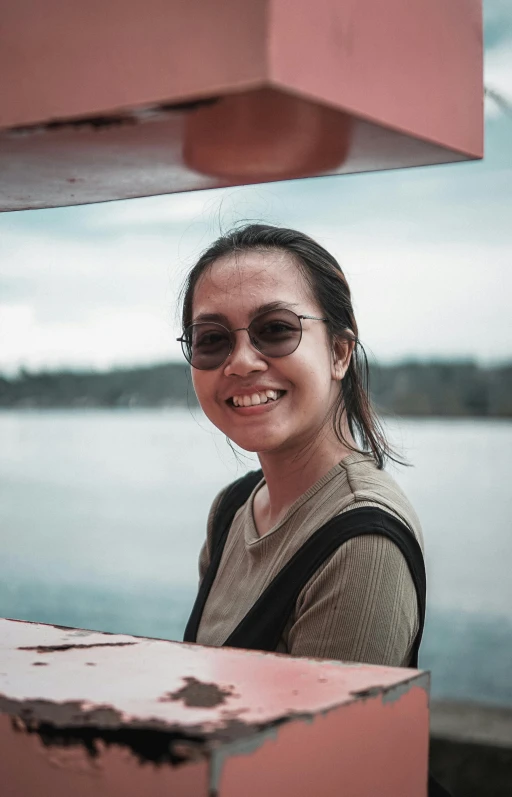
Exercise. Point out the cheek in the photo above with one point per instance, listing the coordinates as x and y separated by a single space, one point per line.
314 368
203 386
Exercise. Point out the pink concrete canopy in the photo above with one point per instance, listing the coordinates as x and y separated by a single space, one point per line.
101 715
113 99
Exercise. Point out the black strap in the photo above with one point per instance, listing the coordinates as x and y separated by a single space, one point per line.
436 789
264 623
235 496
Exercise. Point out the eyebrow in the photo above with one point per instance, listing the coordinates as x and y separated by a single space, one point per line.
262 308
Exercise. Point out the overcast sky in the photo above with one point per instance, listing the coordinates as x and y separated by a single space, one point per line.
428 254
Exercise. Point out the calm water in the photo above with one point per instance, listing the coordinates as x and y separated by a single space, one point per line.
102 514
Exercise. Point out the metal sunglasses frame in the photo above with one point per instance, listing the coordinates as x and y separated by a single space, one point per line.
231 333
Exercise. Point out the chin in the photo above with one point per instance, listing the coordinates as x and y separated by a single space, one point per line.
251 446
256 444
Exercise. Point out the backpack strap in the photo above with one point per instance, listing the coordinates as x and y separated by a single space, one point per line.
263 625
234 497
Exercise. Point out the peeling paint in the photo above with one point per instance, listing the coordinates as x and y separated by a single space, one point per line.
147 745
105 122
197 694
372 691
244 746
390 694
58 648
70 725
35 713
76 718
393 693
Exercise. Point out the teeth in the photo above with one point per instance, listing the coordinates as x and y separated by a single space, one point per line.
255 399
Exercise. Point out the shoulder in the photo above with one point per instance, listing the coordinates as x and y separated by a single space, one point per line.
369 486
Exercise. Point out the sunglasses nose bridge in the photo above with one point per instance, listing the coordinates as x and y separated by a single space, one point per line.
240 329
233 341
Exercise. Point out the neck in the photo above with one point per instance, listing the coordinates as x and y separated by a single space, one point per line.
289 474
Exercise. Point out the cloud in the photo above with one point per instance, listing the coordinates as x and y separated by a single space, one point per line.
498 78
172 210
498 54
71 279
117 337
426 298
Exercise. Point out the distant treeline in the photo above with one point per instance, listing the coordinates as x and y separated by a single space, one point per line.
454 389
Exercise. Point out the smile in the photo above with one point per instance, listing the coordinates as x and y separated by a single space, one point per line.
257 398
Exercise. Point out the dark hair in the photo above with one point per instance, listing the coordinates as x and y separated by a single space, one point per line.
332 292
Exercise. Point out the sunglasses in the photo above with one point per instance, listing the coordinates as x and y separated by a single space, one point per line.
276 333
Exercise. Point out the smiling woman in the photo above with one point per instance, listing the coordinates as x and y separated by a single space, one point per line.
319 553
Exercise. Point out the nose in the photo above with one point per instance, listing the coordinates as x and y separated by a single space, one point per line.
245 358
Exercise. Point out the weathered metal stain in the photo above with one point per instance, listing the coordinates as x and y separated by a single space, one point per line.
197 694
392 693
149 742
145 744
372 691
106 121
35 713
244 746
58 648
73 725
80 724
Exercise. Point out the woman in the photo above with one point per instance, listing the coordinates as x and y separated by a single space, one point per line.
270 332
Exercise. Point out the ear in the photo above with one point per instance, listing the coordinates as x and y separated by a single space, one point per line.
341 355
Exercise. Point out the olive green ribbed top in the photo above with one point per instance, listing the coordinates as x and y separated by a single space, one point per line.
359 606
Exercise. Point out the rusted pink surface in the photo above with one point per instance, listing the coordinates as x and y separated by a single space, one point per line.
225 716
62 59
92 93
49 663
369 749
416 66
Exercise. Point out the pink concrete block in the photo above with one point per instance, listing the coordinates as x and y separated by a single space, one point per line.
413 66
85 713
118 99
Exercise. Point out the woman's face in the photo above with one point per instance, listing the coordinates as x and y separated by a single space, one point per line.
235 289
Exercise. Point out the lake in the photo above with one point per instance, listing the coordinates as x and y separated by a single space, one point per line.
103 512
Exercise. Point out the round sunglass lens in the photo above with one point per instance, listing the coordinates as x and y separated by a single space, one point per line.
276 333
206 345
